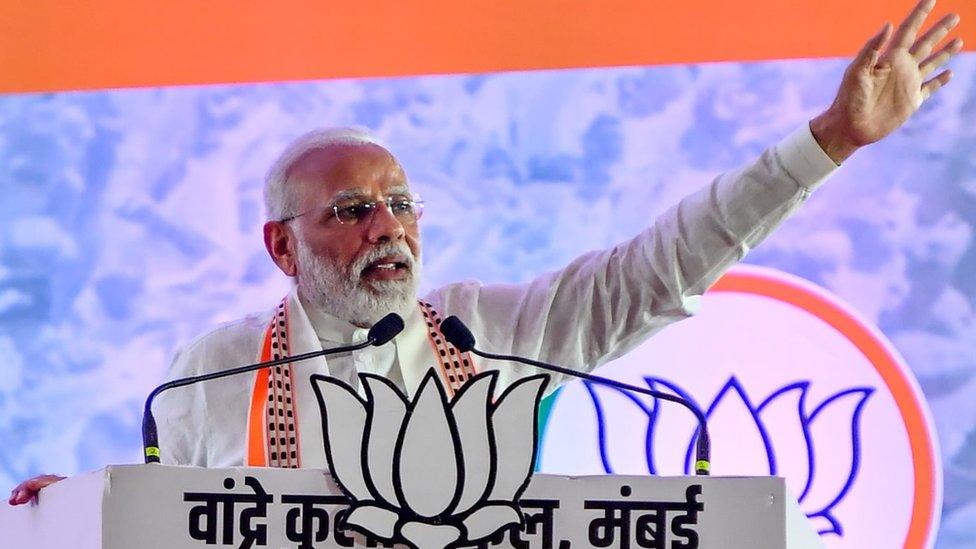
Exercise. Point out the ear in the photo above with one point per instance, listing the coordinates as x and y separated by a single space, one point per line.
280 243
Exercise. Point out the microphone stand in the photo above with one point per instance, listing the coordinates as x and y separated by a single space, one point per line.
702 444
460 336
381 332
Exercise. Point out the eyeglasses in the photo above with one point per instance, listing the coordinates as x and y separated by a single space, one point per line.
407 209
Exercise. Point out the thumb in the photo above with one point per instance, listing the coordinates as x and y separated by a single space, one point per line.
867 58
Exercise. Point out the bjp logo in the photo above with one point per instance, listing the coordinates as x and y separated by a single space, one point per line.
794 384
432 473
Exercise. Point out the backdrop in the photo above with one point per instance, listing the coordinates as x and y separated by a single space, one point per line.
130 220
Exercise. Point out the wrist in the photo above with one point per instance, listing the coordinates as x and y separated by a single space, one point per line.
832 137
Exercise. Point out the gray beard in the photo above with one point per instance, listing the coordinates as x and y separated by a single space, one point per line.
346 296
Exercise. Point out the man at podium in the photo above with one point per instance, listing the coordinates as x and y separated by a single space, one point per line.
343 223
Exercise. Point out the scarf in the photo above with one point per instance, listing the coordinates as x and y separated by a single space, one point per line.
273 438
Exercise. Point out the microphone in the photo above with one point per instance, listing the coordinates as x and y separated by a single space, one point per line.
381 333
461 337
384 330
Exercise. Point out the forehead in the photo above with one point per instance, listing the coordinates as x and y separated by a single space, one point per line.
363 168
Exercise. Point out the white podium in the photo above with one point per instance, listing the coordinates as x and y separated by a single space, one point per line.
164 507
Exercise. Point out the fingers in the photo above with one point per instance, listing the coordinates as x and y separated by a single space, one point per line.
867 58
905 35
940 57
934 84
28 490
923 47
20 496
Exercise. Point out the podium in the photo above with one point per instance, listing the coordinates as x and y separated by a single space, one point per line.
168 507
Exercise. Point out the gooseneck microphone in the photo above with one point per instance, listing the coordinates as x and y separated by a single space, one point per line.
382 332
461 337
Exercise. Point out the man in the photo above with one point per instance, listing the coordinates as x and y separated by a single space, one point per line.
343 223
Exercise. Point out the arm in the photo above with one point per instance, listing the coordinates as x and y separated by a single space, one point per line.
28 491
204 424
604 303
182 436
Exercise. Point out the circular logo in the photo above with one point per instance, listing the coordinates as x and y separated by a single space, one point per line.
795 384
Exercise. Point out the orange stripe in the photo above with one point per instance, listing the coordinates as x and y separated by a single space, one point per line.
259 401
923 454
75 44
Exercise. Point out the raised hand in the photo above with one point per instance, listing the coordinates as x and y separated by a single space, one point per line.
886 83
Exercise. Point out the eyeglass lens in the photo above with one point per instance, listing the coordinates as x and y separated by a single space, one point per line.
404 208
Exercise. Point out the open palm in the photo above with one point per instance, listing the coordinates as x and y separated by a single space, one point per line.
887 82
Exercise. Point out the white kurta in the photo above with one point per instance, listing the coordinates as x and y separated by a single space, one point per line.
600 306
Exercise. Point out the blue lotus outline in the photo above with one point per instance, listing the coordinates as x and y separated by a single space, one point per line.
734 386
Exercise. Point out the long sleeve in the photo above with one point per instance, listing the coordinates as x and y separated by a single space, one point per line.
605 303
204 424
182 437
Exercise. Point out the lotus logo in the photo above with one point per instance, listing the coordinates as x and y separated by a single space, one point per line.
796 383
431 473
818 490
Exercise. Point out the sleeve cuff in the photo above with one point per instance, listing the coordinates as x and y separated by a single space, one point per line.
804 159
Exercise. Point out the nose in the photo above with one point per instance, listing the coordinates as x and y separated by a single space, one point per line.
383 226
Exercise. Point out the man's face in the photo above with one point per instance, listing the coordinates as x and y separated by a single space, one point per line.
359 270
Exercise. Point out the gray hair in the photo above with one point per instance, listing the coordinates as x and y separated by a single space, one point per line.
279 202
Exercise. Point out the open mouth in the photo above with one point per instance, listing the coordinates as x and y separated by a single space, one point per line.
387 268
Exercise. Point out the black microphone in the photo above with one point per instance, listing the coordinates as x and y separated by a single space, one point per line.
382 332
461 337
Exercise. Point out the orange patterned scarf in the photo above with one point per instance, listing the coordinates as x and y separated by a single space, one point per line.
273 437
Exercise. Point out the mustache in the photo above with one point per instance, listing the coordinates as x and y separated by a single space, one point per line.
400 250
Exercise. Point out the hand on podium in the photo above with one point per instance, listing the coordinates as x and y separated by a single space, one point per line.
27 491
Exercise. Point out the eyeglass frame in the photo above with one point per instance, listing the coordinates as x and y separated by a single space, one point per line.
371 205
